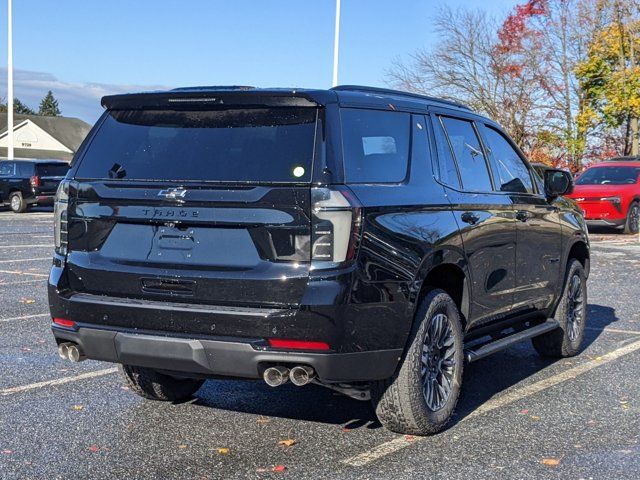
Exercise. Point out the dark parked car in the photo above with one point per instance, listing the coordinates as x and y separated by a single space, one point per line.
366 240
24 183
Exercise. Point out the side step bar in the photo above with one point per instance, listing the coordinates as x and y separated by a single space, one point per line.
486 349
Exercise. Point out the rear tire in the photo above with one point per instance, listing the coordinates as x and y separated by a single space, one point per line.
17 203
153 385
420 398
571 313
632 224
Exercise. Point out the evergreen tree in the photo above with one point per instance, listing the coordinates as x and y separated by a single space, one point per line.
49 106
21 108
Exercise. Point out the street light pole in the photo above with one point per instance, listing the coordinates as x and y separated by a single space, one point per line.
336 45
9 84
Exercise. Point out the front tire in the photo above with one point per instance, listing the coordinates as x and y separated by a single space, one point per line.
571 313
17 203
632 224
421 397
153 385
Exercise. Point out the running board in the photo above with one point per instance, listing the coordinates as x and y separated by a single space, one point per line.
484 350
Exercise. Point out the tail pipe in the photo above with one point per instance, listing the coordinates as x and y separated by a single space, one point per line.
276 376
71 351
301 375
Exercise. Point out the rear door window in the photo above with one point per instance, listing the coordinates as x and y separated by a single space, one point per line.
376 145
468 153
232 145
511 172
51 170
7 169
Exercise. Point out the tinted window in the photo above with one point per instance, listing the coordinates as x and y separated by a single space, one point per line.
24 169
51 170
376 145
468 154
234 145
446 164
6 169
609 176
512 173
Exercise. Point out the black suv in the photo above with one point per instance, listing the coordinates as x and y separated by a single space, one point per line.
367 240
30 182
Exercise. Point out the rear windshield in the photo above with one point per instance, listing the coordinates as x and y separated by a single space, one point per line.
609 176
231 145
51 170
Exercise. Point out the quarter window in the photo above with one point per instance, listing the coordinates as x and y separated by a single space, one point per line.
468 154
376 145
513 175
6 169
446 164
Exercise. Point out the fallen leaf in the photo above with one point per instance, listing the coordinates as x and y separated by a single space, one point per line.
183 446
279 468
223 451
289 442
7 452
27 301
126 389
551 462
409 438
78 407
262 420
535 417
524 412
93 448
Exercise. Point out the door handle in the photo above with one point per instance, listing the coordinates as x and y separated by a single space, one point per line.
523 215
470 218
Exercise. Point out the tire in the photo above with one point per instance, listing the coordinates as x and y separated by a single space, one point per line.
402 403
571 313
632 225
152 385
17 203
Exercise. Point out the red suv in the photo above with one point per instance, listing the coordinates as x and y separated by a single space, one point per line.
609 194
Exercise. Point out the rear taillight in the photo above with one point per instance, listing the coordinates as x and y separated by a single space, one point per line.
60 218
335 227
34 181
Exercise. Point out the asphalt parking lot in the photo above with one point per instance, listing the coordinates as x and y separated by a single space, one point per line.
520 416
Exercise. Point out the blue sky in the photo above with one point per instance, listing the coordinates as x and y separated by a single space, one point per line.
84 49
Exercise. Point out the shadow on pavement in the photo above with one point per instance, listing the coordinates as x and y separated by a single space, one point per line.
482 381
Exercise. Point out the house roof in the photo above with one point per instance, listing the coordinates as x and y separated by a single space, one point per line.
67 130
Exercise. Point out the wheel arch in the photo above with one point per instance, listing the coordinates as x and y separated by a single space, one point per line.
580 251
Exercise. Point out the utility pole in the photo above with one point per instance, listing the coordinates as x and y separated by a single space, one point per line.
336 45
9 84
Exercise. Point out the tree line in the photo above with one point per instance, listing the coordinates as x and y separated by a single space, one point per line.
48 106
562 76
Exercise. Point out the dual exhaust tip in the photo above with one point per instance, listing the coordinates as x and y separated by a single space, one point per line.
70 351
299 375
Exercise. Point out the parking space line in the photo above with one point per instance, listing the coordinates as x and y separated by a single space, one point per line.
392 446
47 245
25 260
25 317
58 381
613 330
22 282
18 272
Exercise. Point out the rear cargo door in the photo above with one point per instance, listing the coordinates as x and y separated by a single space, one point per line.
196 206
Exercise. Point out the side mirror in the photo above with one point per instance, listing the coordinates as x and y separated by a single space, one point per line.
557 183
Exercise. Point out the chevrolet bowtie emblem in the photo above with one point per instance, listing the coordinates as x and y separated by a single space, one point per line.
173 193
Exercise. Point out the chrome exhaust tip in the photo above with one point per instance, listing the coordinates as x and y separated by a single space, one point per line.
301 375
74 353
276 376
63 350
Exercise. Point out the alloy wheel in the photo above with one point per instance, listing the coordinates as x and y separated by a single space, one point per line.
438 362
634 218
15 203
575 307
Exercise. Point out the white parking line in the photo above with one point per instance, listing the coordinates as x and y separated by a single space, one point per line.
22 282
25 317
18 272
392 446
58 381
27 246
25 260
613 330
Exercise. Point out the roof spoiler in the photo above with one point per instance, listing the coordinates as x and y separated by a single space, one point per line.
206 96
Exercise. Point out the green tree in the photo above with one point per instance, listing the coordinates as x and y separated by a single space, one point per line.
19 107
49 106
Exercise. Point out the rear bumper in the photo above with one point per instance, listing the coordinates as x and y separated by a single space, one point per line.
227 357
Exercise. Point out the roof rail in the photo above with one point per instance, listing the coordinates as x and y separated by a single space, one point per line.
387 91
213 87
